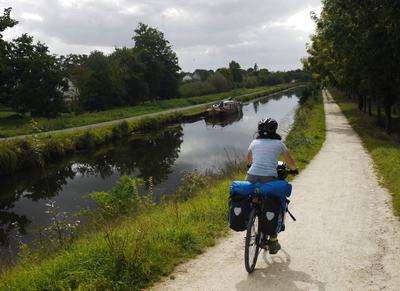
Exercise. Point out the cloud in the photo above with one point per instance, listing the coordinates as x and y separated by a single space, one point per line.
204 33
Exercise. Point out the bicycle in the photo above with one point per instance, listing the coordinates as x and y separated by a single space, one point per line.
255 239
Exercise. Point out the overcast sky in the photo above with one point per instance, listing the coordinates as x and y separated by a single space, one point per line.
204 33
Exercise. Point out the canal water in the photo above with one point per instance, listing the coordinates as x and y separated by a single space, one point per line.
200 145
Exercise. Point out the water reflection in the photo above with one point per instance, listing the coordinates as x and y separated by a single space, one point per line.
223 120
162 155
143 156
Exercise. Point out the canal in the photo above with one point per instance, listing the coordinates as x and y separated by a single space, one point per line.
163 155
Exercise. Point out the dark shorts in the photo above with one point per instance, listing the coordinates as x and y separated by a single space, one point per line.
261 179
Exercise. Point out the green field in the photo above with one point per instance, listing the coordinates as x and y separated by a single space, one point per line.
136 249
384 148
12 124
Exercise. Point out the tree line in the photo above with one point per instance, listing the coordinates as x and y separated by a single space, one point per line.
223 79
356 48
34 81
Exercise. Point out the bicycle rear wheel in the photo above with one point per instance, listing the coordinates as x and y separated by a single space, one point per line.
252 242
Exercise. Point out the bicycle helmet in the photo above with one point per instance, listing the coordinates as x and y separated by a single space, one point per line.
267 125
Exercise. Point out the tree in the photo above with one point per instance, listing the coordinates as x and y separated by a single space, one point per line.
31 80
203 74
6 74
219 82
255 69
94 83
226 73
127 76
235 71
38 81
160 62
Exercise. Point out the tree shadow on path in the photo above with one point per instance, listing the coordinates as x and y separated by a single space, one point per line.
277 275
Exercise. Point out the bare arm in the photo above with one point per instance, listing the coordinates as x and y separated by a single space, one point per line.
289 160
249 158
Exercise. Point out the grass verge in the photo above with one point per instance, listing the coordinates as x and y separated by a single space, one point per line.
14 125
383 148
147 242
44 148
308 132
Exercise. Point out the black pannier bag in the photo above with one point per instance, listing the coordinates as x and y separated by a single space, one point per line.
271 216
239 212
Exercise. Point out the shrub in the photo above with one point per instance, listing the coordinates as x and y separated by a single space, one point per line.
85 141
196 88
53 149
123 198
120 130
29 153
190 183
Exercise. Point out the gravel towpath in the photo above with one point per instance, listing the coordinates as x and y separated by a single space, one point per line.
345 237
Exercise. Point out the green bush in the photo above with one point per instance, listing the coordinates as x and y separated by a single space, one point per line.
122 198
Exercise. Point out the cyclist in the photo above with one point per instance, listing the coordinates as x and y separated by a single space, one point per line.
262 161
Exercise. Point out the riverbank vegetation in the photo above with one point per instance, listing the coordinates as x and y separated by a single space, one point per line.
144 241
356 48
383 148
13 125
42 149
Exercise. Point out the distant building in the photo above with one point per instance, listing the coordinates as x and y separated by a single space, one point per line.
196 76
72 93
187 78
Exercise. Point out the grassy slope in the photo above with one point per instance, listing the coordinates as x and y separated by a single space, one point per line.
384 149
12 125
159 238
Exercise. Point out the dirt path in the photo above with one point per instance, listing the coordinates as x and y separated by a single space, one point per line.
345 237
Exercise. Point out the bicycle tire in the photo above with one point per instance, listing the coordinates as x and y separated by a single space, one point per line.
250 258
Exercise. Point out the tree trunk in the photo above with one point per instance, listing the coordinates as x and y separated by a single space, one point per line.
369 106
378 109
360 102
388 112
365 104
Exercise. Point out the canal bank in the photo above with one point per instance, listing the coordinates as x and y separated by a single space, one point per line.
157 239
43 148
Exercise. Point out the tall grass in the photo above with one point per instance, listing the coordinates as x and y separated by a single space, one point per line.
383 148
132 250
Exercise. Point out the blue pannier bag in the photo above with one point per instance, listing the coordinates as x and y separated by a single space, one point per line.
241 188
274 206
239 204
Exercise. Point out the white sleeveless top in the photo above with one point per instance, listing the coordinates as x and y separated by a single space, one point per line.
265 153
